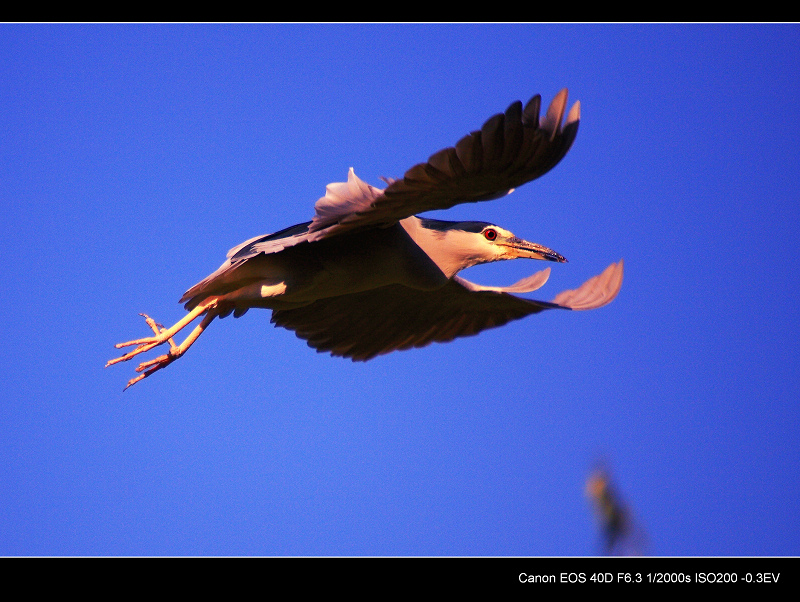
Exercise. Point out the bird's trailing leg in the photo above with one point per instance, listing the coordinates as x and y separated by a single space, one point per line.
175 351
164 335
161 335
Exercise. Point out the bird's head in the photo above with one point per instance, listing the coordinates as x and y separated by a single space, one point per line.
508 246
464 244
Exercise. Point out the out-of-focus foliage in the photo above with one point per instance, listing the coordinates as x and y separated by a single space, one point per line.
621 534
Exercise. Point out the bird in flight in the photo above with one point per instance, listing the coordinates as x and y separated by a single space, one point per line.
367 275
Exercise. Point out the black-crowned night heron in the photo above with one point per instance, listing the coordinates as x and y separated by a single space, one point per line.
366 276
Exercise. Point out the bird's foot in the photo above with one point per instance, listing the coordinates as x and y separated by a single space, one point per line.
162 361
145 344
164 335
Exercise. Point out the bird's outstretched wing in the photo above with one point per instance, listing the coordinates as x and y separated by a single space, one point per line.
511 148
363 325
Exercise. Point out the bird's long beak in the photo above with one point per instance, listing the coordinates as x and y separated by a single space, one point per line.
516 247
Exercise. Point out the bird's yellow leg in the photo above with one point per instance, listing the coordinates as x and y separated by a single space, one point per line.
162 335
175 351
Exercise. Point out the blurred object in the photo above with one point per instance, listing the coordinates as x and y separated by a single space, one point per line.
622 536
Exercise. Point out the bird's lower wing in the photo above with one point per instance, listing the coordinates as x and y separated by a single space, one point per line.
363 325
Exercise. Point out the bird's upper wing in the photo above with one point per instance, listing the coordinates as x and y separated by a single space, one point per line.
511 148
363 325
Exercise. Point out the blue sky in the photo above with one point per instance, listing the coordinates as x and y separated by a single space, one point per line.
133 157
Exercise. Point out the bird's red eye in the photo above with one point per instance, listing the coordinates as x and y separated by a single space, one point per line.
490 234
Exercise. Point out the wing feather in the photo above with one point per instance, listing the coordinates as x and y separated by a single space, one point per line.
363 325
511 148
